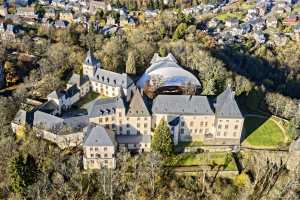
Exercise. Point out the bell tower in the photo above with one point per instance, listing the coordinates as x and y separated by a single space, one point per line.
90 65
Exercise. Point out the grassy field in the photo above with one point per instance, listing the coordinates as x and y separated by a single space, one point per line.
227 15
202 159
262 132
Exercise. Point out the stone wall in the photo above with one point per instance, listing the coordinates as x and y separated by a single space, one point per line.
63 141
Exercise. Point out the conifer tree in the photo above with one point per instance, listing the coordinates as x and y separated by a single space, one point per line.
161 141
130 63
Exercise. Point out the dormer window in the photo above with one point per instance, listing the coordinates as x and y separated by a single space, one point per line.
102 78
115 82
98 77
108 80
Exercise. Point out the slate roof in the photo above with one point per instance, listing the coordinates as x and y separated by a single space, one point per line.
226 105
20 117
78 79
98 136
55 94
90 59
49 107
133 139
46 120
182 104
68 93
137 106
100 107
112 78
71 91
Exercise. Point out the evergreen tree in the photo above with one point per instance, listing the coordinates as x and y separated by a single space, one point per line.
130 63
180 31
23 172
161 141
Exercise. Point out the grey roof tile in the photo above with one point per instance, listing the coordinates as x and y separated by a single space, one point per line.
46 120
226 105
112 78
98 136
90 59
100 107
182 104
137 106
49 107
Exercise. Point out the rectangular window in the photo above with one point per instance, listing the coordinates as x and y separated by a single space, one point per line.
191 123
236 127
145 125
182 123
234 134
226 126
120 114
206 123
105 148
91 148
92 155
182 131
138 125
219 126
128 132
201 123
105 155
138 119
100 120
127 125
96 148
225 133
106 119
105 161
195 131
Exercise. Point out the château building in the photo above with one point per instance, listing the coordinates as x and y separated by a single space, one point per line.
125 118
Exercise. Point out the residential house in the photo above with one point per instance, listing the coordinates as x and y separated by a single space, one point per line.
26 12
110 21
66 16
296 29
95 5
213 23
60 24
232 22
99 148
259 37
292 20
272 22
3 10
258 24
242 29
280 39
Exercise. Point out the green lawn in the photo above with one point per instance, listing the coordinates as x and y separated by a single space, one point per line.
227 15
202 159
263 132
